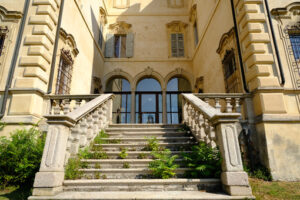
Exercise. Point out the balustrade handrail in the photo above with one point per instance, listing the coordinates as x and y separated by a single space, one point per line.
75 115
222 95
71 96
207 110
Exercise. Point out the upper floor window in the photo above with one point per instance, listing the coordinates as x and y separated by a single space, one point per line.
229 64
120 41
196 37
177 44
120 46
295 42
64 76
121 3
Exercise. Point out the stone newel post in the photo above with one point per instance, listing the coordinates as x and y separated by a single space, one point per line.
49 180
234 179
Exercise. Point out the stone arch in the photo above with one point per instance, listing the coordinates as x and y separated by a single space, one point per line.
180 73
149 73
117 73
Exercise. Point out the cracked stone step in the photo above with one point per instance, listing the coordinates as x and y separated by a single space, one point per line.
119 163
171 195
137 154
139 147
210 185
135 173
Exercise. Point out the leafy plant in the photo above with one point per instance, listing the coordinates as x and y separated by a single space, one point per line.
142 156
84 153
260 172
114 141
126 165
152 145
99 155
123 154
104 176
20 156
204 161
72 169
163 166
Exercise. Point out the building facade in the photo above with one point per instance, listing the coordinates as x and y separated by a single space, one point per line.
148 52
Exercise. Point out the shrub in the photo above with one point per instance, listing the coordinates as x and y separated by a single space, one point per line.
163 166
204 161
20 156
152 145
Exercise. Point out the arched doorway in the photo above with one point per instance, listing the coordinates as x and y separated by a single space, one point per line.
148 101
175 87
120 87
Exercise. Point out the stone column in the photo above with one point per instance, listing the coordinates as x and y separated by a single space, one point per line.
234 179
132 106
49 180
164 106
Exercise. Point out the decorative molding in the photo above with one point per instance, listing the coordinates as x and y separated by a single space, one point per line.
117 73
179 72
177 26
69 40
291 9
103 15
149 73
9 15
225 40
193 13
120 27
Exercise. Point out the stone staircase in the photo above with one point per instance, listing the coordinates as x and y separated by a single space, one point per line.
130 178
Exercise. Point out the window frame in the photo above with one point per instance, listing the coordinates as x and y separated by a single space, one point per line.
122 45
65 70
177 43
3 36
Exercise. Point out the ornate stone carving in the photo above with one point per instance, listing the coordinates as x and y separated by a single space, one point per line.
177 26
12 16
193 13
69 40
120 27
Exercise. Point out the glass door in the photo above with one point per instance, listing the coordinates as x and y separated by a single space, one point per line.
148 107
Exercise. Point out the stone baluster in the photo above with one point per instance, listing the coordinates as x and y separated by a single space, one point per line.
218 105
83 130
66 106
237 105
56 109
77 103
90 122
228 105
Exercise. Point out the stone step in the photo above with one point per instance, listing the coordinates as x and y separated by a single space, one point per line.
139 147
119 163
143 140
139 154
148 134
135 173
143 129
171 195
178 126
211 185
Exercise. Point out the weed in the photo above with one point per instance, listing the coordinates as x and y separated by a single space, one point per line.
99 155
126 165
104 176
84 165
72 169
84 153
163 166
97 166
114 141
260 172
99 138
97 175
123 154
152 145
142 156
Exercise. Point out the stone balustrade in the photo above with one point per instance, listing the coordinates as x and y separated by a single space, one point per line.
219 129
70 128
64 104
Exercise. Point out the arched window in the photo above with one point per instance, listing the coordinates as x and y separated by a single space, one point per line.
175 87
148 101
122 102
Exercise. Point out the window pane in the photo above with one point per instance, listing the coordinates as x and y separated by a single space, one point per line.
149 85
295 42
118 85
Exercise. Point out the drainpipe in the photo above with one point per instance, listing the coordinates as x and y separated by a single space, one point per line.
239 47
55 47
275 44
14 58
